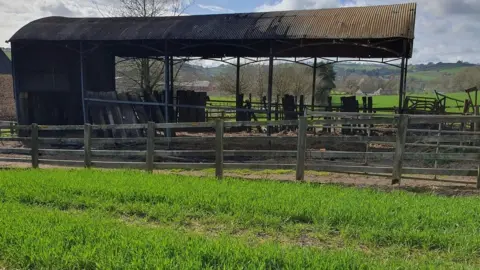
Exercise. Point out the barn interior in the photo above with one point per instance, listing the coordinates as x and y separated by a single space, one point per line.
64 68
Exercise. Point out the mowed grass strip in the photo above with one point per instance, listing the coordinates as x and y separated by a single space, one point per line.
128 219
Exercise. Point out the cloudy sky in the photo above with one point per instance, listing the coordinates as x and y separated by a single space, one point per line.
446 30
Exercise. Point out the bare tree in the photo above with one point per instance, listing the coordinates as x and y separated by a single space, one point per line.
300 78
227 81
260 84
282 80
467 78
148 72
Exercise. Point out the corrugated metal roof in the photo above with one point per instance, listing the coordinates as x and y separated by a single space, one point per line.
5 64
372 22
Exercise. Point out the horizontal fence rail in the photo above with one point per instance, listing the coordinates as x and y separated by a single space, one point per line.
301 150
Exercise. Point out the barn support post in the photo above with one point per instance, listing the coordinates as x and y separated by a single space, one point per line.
166 69
16 92
82 83
405 79
402 84
170 101
237 90
270 90
314 83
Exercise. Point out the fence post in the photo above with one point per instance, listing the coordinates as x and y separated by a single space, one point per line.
301 146
402 129
12 129
150 146
87 145
478 178
34 147
219 148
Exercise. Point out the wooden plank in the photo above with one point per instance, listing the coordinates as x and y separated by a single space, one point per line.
15 160
119 165
184 166
185 153
260 123
16 151
140 112
61 128
313 154
16 127
14 139
71 152
63 163
458 132
34 146
445 172
434 119
87 145
441 146
444 156
118 153
129 116
259 166
443 139
186 125
346 121
95 164
348 114
129 126
347 138
400 149
150 146
219 148
65 140
326 167
301 146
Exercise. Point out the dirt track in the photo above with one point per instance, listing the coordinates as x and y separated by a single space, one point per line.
361 181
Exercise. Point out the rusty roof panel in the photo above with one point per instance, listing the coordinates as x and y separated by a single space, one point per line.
371 22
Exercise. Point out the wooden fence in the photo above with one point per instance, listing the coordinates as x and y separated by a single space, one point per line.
398 132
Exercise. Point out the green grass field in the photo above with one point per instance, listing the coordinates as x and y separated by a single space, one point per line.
392 101
81 219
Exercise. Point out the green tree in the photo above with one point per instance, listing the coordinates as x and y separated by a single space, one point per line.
325 83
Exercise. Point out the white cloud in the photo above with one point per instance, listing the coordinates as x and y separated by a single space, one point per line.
16 14
215 8
298 4
446 30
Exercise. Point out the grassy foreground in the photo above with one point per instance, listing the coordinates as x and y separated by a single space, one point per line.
80 219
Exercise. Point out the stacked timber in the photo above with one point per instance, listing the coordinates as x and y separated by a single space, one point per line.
121 113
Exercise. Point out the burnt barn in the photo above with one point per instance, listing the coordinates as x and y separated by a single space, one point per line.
64 68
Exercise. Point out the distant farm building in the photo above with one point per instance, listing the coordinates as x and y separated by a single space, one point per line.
197 86
384 92
7 101
360 93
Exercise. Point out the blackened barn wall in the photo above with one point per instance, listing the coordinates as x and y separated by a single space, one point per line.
48 81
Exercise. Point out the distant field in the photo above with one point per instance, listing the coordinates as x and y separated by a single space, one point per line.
435 74
9 54
89 219
392 101
389 101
